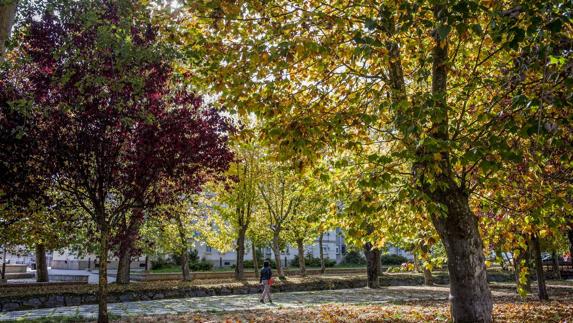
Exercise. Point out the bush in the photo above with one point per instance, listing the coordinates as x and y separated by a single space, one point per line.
250 264
202 265
354 258
160 263
393 260
310 261
193 257
175 260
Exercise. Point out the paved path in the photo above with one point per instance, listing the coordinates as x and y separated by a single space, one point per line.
241 302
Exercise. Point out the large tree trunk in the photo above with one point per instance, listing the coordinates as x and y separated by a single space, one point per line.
469 291
255 260
543 296
41 264
373 265
240 265
556 271
321 253
7 15
301 266
102 287
277 252
123 264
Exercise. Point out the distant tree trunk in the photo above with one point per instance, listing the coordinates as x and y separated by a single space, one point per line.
255 260
277 252
300 245
240 265
124 262
41 264
570 236
186 273
102 286
428 279
543 296
322 266
373 264
556 271
416 263
4 265
7 15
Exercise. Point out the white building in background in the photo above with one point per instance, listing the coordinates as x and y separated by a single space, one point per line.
65 259
332 244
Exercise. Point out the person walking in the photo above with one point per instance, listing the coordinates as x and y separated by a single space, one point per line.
266 281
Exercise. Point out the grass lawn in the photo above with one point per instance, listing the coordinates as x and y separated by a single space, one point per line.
177 269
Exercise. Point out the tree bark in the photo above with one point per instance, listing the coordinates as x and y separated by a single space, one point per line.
240 265
4 265
102 287
416 262
428 279
470 296
556 271
277 252
321 253
542 288
301 266
185 272
7 15
124 262
570 236
373 265
41 264
255 260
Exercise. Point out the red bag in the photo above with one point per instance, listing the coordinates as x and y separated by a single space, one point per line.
271 281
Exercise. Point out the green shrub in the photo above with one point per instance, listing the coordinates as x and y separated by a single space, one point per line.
393 260
354 258
160 263
202 265
193 257
249 264
310 261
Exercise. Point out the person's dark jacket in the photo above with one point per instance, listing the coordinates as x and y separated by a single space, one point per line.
266 274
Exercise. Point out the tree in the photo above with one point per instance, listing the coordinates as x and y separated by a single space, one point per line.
281 195
443 81
239 196
181 223
113 123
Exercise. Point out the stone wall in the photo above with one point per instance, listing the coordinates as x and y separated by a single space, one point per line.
13 303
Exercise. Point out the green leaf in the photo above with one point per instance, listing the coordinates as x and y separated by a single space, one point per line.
443 31
370 24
